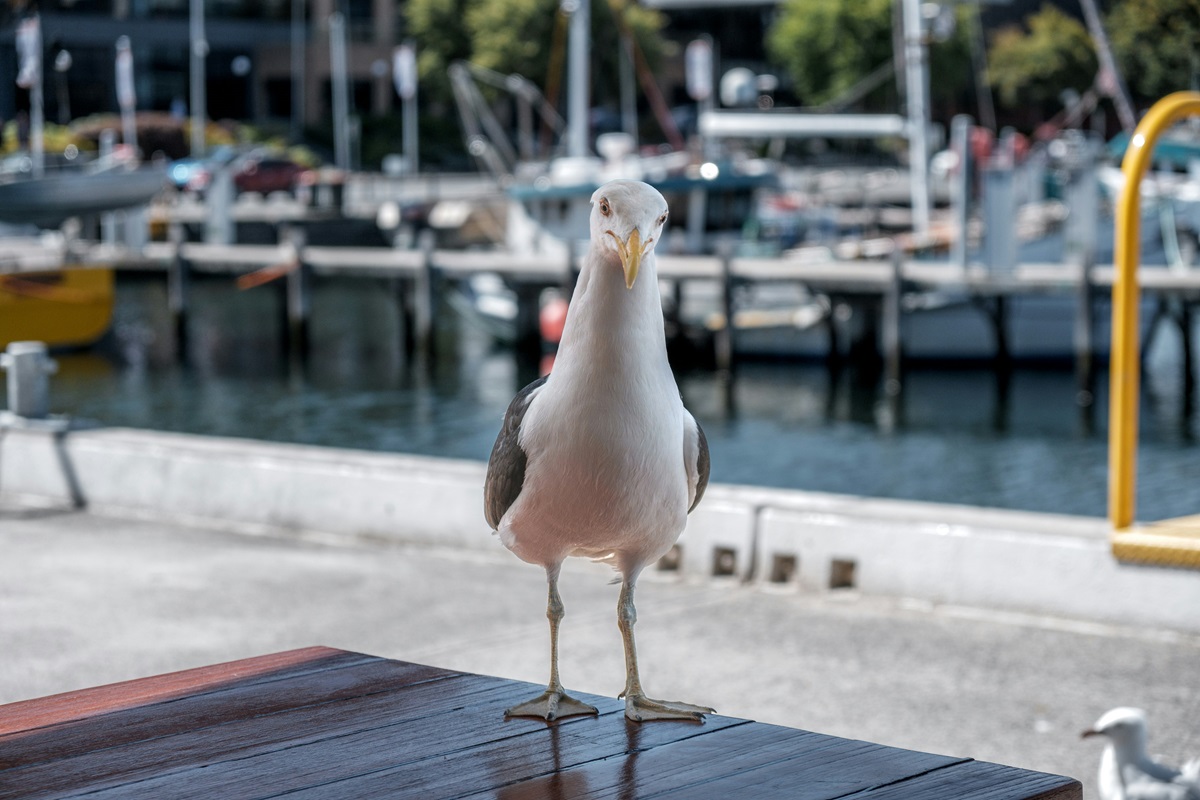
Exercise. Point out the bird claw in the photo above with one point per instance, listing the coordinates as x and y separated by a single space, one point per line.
550 705
640 708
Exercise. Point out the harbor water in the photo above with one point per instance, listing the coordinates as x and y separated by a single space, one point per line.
968 435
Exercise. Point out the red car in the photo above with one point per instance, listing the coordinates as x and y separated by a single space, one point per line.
269 174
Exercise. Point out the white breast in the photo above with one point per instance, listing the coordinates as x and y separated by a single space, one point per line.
605 476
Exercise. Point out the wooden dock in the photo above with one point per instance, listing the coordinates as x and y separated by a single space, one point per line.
325 723
875 289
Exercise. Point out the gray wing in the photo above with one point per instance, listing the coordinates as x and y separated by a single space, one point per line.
695 458
506 467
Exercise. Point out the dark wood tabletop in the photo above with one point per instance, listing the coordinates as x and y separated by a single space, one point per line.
325 723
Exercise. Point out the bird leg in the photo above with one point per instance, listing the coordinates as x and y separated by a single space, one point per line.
638 707
554 702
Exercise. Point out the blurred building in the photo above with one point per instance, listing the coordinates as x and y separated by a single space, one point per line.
248 68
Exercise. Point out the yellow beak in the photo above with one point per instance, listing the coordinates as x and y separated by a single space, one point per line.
631 255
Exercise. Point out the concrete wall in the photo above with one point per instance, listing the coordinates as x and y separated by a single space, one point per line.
778 539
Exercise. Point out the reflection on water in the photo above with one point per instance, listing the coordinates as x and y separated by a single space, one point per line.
961 436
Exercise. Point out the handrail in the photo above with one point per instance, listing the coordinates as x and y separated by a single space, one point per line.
1125 367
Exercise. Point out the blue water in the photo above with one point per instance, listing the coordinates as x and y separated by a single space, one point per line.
960 436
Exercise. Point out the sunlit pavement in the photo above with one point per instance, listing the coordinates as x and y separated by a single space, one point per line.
88 600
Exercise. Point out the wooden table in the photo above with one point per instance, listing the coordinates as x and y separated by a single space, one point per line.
324 723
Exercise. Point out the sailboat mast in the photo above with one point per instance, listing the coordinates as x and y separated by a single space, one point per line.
578 76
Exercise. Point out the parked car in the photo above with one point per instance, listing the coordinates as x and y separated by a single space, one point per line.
268 174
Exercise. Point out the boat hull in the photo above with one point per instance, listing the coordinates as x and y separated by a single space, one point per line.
63 308
49 201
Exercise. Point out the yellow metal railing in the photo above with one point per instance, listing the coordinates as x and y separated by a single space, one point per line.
1174 542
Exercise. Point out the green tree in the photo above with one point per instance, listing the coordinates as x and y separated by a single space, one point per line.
441 39
829 46
525 37
1033 67
1156 44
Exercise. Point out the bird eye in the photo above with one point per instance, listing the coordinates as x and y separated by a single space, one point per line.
662 219
605 208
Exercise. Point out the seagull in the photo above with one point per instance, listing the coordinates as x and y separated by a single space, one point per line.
1128 773
600 459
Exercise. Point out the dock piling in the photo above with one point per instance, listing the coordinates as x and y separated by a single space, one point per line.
891 311
298 296
725 336
178 289
1085 333
424 301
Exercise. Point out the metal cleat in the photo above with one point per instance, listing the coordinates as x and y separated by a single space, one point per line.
29 369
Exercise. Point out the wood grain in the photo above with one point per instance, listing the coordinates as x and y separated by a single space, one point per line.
321 724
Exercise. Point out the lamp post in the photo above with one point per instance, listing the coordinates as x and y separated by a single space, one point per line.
199 56
29 45
404 75
62 63
341 99
241 67
578 76
126 97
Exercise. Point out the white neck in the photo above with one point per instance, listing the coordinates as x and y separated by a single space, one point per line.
617 329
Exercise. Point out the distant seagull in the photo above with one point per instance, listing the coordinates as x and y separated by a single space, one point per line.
1127 773
599 458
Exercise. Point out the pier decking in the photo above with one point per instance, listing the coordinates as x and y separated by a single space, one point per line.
320 722
876 288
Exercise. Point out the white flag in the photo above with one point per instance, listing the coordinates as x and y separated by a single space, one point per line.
29 50
126 97
404 71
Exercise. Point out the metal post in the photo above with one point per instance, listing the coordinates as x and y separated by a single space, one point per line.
1084 335
299 296
126 96
341 100
917 88
199 89
1124 371
891 314
108 220
425 301
725 344
628 81
404 77
409 110
1111 80
178 285
29 76
578 76
960 138
999 218
29 368
218 225
37 117
62 94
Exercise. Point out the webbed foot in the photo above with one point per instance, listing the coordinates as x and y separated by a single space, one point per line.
550 705
640 708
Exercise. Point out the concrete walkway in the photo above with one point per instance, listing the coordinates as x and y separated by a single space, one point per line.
87 600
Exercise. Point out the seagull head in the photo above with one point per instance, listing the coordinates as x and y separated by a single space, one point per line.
627 219
1124 727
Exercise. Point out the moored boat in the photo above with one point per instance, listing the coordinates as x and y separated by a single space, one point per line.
63 308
